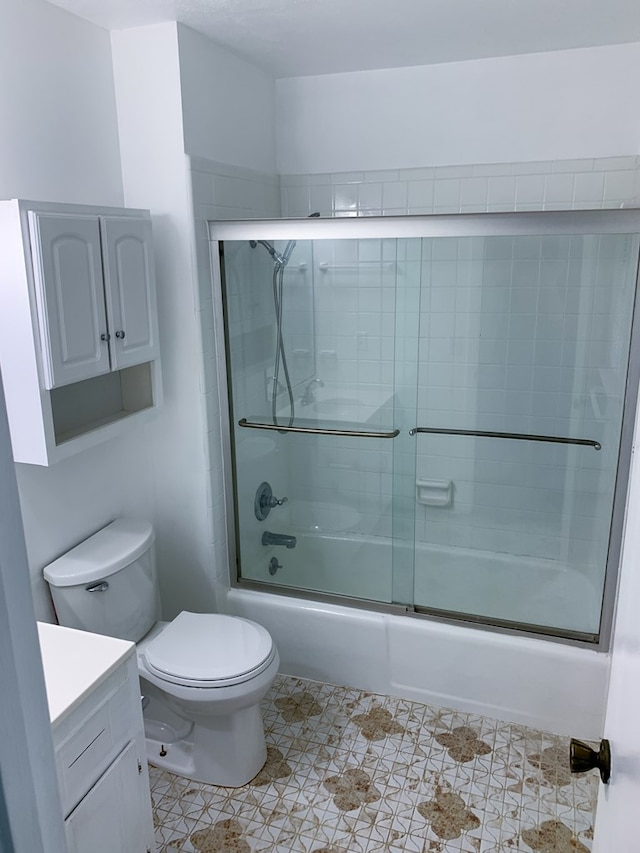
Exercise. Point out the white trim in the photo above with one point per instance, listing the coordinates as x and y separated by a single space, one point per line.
450 225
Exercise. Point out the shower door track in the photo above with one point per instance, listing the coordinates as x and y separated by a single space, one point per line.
448 617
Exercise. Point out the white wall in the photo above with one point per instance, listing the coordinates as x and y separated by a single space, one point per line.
228 105
154 167
562 104
59 139
59 142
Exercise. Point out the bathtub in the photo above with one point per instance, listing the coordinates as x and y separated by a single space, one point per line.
517 589
548 685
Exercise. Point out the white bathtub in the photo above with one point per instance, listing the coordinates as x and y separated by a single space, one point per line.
548 685
500 586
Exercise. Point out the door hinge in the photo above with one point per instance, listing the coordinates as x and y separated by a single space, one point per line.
139 766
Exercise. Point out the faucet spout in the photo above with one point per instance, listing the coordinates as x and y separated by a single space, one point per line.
269 538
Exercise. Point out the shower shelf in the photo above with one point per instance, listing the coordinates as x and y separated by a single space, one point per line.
319 430
518 436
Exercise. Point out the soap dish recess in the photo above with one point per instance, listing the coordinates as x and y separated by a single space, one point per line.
434 492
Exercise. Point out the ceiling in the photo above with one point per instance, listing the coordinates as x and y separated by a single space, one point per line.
291 38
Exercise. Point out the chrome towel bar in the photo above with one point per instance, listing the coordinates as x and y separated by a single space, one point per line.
319 431
518 436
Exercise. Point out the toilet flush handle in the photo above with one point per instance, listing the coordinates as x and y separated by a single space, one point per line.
101 586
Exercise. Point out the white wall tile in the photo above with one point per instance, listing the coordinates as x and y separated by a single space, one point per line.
502 191
619 185
474 191
588 187
394 195
559 189
530 189
446 193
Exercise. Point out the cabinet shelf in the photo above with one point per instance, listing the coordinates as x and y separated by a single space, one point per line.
89 405
79 351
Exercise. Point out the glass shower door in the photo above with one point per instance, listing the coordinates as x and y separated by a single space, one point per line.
523 355
310 352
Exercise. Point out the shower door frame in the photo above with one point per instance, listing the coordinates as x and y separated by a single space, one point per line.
515 224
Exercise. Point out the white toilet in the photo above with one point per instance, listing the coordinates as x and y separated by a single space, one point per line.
204 674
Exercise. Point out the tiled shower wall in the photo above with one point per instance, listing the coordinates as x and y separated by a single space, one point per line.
493 187
506 500
355 475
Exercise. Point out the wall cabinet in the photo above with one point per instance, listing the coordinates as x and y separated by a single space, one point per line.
79 347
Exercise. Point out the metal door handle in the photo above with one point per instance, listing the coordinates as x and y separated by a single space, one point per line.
120 335
105 336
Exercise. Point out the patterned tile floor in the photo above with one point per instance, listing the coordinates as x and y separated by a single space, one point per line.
353 772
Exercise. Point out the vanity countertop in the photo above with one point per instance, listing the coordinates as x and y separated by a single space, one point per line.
74 663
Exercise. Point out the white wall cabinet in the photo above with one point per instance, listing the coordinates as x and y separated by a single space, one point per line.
79 347
70 301
129 290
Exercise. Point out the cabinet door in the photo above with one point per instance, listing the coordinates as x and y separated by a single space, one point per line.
114 817
130 290
70 297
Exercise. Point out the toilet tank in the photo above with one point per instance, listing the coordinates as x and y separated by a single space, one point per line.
107 584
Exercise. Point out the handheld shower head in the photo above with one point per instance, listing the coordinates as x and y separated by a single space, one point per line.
277 258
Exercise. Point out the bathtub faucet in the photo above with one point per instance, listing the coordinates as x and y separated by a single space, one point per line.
278 539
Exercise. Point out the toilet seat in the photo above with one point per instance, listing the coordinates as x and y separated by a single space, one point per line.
209 650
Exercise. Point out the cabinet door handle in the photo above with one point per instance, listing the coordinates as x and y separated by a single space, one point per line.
105 336
120 335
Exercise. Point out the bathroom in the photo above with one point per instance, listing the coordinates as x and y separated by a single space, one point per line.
118 134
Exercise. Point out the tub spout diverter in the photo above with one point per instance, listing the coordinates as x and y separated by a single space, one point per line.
278 539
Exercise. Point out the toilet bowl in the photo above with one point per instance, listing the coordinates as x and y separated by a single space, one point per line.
219 695
203 675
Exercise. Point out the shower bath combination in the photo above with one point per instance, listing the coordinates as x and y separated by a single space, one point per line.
490 358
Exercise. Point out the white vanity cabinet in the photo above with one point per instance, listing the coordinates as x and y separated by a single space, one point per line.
96 718
79 348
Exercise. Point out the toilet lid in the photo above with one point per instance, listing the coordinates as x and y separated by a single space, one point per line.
209 649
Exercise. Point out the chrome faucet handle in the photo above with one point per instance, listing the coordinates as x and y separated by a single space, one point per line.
265 501
274 501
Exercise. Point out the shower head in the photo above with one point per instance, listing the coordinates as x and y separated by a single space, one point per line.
281 259
277 258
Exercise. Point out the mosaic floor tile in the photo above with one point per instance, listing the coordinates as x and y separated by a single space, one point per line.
352 772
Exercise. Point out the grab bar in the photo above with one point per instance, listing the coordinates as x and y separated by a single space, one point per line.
519 436
319 431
